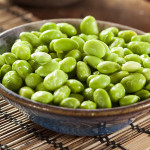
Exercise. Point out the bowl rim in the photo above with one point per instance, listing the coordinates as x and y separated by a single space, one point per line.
117 111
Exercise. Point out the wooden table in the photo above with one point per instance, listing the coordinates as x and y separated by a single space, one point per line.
134 13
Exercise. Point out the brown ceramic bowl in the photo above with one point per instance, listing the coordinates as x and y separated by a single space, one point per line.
70 121
45 3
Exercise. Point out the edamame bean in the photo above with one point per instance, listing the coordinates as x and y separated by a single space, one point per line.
101 81
42 48
10 58
49 26
117 76
90 78
117 42
49 35
102 99
117 92
146 62
75 54
139 47
127 51
143 94
36 33
133 82
109 87
70 102
131 66
68 64
128 100
114 30
4 69
118 50
26 92
67 28
111 57
61 93
32 80
133 57
88 94
55 80
31 38
108 67
121 61
48 68
144 56
2 60
143 38
88 105
34 65
127 35
95 48
96 73
83 71
41 58
12 81
42 97
92 61
65 45
40 87
75 85
22 67
77 96
89 25
146 73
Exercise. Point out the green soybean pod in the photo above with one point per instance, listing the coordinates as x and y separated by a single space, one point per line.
26 92
108 67
77 96
22 67
143 38
36 33
106 36
70 102
31 38
82 71
4 69
131 66
42 97
92 61
111 57
89 25
102 99
118 50
88 94
88 105
49 26
48 68
95 48
101 81
117 76
127 35
68 64
117 92
32 80
41 58
127 51
117 42
133 82
12 81
21 50
40 87
47 36
75 54
133 57
139 47
55 80
60 94
2 60
10 58
80 42
75 85
146 62
143 94
42 48
65 45
128 100
67 28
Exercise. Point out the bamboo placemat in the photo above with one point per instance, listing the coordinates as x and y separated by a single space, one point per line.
19 133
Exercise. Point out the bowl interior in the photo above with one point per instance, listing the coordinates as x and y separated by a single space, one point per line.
7 38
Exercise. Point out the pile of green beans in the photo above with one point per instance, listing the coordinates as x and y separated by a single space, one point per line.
91 69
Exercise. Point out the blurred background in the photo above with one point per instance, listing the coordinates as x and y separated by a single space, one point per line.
134 13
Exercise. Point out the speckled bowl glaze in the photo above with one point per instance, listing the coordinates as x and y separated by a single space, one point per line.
64 120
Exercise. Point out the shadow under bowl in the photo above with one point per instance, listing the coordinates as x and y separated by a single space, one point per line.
64 120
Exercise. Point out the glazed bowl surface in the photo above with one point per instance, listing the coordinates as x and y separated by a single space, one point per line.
65 120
